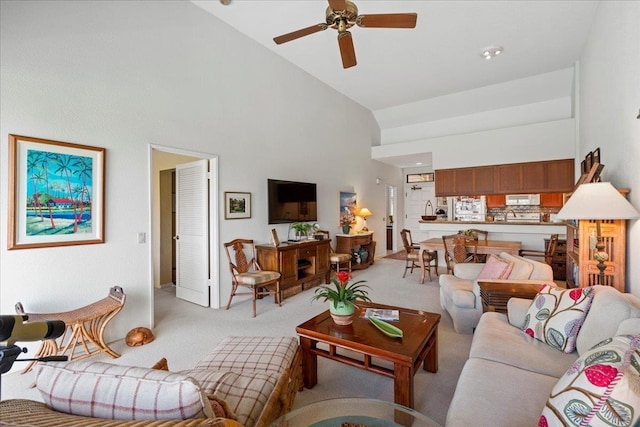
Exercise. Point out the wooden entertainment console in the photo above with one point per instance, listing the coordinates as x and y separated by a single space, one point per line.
301 264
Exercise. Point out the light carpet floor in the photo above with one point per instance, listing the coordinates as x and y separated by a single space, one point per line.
186 332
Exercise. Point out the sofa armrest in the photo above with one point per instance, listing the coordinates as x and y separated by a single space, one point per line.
517 310
467 271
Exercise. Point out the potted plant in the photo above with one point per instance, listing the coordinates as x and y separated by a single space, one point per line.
303 229
342 297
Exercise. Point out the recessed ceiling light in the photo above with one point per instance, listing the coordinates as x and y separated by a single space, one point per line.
418 163
491 51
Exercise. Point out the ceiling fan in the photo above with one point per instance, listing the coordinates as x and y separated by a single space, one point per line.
342 15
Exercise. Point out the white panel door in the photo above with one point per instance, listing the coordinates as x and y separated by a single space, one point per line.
192 232
416 198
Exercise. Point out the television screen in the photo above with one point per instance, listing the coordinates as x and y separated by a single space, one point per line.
291 201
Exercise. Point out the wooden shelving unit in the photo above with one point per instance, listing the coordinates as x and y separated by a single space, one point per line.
347 243
582 269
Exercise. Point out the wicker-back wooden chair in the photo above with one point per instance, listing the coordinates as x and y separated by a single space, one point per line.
85 328
413 253
478 235
547 254
246 272
336 259
459 249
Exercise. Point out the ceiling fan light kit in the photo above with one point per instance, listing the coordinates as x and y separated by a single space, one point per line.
342 15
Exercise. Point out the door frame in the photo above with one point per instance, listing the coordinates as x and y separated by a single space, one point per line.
214 232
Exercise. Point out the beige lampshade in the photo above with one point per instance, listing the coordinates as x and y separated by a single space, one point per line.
364 212
598 200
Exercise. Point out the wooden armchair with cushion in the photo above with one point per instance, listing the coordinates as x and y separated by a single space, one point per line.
336 259
246 272
430 258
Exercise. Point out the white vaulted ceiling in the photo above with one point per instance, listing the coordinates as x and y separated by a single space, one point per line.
440 56
400 72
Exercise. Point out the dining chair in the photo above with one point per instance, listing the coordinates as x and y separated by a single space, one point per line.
479 235
246 272
336 259
547 254
413 255
459 249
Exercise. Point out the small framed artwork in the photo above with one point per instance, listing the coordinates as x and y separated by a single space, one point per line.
594 173
589 161
274 237
237 205
56 193
596 155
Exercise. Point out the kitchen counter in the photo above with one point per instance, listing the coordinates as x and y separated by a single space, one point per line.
492 222
531 234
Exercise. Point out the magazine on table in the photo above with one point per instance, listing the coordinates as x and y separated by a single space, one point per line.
382 314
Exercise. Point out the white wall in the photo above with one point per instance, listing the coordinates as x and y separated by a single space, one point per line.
126 75
526 143
609 95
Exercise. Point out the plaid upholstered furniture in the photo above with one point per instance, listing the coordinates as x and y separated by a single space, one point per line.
257 378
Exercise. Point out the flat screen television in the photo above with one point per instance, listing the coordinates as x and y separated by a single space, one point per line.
291 201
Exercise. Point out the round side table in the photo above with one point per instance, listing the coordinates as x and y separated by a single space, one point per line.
354 412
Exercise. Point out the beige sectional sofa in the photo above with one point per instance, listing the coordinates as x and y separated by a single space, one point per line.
460 295
510 375
252 380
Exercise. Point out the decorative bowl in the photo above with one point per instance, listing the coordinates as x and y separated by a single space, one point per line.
429 217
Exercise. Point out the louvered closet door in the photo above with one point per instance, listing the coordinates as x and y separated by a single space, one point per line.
192 232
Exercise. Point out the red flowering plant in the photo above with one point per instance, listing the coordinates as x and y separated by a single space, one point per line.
342 291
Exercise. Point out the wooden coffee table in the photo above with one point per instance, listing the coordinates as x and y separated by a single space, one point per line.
418 345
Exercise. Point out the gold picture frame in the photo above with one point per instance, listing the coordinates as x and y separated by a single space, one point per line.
56 193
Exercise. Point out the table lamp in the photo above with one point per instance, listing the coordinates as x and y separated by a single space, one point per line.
598 201
364 213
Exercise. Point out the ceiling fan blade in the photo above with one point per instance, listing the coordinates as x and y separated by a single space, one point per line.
338 4
300 33
347 51
388 20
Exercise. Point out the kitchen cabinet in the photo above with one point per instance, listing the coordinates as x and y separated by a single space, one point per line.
553 176
551 200
560 175
508 179
464 181
445 182
496 201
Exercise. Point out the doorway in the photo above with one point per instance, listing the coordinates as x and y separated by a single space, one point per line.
391 215
164 161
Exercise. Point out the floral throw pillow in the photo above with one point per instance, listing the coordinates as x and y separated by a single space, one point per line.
602 388
556 315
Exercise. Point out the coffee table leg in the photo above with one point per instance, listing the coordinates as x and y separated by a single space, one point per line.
403 385
431 361
309 362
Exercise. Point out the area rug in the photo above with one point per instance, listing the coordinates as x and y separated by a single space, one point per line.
401 255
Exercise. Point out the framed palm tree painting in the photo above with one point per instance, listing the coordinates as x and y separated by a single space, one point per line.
56 193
